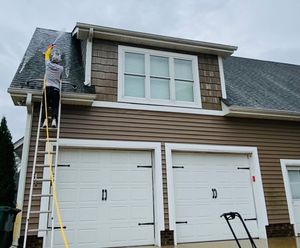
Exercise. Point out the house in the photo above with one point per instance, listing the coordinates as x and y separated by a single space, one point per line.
162 135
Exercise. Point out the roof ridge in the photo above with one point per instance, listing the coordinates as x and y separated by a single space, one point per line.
52 30
265 61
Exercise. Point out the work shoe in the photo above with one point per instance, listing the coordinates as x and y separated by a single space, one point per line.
53 124
44 123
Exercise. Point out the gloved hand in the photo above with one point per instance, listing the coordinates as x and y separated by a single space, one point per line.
48 52
50 46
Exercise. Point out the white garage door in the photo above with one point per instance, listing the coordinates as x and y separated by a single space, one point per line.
206 186
106 198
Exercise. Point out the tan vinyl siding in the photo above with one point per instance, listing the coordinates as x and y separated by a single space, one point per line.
275 140
105 74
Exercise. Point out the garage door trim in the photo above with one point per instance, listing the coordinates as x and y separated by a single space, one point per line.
254 169
155 147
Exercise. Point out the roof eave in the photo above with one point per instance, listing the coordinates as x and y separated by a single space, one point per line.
82 30
238 111
19 97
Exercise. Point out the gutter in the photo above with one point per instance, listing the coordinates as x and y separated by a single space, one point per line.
19 96
82 30
23 171
238 111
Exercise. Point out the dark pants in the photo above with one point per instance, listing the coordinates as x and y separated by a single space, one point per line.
52 95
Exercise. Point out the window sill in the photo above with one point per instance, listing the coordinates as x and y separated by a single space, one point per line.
159 108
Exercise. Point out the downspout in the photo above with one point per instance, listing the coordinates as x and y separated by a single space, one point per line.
23 171
88 58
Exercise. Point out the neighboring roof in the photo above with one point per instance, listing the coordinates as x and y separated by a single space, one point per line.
83 30
265 85
31 71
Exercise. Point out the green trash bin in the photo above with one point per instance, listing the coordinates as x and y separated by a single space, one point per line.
7 220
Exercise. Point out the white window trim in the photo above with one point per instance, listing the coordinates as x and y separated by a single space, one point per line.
128 145
150 107
259 197
285 164
222 77
121 68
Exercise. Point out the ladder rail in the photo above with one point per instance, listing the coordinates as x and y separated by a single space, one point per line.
32 178
55 167
52 202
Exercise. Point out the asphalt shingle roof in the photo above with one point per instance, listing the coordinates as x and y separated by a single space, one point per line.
32 68
250 83
260 84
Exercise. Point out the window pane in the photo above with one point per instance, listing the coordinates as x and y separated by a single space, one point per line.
184 91
160 88
183 69
159 66
134 86
135 63
294 177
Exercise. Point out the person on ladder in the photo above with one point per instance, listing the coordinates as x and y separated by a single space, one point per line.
53 76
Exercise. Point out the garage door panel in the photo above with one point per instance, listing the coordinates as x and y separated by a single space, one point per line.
141 214
67 195
93 222
88 176
88 214
141 194
67 175
202 176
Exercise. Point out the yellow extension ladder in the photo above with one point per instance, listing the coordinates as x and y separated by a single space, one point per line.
49 167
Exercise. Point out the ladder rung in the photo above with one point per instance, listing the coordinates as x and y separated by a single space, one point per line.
45 152
49 128
41 180
50 139
39 230
41 212
43 165
42 195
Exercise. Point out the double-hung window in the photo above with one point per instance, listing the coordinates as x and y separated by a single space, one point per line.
156 77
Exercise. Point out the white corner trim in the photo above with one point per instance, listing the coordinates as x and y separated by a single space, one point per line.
285 163
22 177
88 58
259 197
148 107
157 176
222 77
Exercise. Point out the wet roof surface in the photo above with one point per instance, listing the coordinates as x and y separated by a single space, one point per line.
31 70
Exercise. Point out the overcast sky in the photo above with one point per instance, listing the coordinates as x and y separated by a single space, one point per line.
262 29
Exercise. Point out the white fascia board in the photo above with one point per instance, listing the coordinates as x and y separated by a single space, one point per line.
140 38
237 111
222 77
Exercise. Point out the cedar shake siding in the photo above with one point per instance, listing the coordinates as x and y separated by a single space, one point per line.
105 74
275 140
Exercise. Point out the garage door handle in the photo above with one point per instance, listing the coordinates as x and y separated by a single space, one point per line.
216 196
105 199
213 193
102 194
